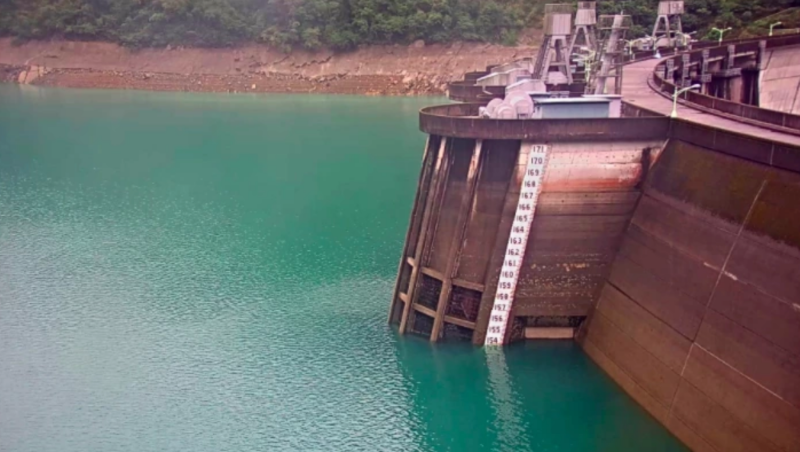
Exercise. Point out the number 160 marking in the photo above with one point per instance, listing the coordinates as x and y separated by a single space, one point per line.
517 242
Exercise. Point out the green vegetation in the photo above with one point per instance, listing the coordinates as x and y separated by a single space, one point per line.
789 21
337 24
702 15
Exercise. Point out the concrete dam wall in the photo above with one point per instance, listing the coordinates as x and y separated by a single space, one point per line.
780 80
671 251
699 319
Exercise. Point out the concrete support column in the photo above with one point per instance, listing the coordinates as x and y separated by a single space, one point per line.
669 71
414 226
730 63
761 63
686 60
730 60
467 203
440 173
705 71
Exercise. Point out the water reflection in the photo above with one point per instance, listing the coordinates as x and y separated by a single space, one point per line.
508 424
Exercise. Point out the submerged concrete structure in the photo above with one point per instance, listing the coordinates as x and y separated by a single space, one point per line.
669 248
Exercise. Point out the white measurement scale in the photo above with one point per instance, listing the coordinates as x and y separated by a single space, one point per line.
517 241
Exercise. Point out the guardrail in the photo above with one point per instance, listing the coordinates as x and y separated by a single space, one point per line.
771 119
468 91
461 120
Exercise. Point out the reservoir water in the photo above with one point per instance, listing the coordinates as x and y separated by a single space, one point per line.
187 272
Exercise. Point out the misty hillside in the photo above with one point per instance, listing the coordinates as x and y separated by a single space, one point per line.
335 24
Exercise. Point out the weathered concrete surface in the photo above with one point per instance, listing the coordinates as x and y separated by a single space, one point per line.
699 320
589 192
780 80
462 221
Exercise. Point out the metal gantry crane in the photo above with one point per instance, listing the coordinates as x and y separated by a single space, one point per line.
668 28
585 34
613 29
552 62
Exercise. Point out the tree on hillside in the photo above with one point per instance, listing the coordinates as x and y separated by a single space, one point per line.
337 24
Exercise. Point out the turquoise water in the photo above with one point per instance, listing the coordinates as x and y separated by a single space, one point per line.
186 272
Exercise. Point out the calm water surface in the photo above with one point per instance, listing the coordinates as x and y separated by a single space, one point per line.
185 272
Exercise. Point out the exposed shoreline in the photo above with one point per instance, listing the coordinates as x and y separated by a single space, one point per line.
382 85
380 70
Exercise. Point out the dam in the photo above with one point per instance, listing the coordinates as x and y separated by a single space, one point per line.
209 272
664 241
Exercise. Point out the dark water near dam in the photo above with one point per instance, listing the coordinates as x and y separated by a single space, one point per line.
187 272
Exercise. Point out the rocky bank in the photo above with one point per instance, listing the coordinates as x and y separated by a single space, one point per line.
417 69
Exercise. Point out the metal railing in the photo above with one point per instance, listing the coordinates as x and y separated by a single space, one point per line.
771 119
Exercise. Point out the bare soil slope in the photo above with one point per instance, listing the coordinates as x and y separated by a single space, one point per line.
379 70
